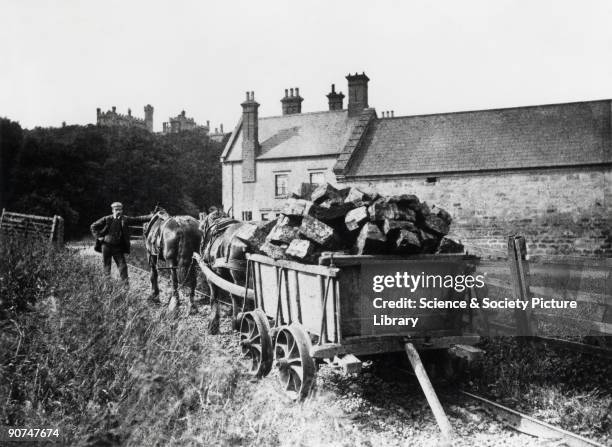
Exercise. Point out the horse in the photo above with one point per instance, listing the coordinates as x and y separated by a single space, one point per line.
225 255
172 239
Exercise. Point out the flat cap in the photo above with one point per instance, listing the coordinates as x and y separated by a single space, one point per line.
116 205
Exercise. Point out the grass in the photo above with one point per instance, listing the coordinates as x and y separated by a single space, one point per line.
565 388
90 357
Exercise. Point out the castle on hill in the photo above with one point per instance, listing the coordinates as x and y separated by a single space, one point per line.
114 119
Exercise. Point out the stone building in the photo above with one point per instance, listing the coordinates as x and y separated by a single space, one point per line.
218 135
181 123
112 118
541 171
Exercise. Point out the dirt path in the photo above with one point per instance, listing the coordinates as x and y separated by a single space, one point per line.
378 407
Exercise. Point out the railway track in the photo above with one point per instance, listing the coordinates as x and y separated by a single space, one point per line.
529 425
142 272
512 419
166 282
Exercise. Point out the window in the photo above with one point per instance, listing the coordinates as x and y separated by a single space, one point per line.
431 180
264 216
247 215
317 178
281 185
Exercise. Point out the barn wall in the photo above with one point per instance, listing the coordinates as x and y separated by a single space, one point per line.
558 211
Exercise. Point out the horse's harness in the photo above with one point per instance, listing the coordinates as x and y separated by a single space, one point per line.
161 218
214 226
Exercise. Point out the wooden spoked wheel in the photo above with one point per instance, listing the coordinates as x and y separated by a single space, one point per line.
296 368
255 343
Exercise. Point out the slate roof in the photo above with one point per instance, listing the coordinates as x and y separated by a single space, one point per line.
524 137
296 135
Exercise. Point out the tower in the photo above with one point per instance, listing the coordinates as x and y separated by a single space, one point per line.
148 110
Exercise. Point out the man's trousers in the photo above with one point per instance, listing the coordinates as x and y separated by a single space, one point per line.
114 252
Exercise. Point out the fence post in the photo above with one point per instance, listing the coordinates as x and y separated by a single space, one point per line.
517 251
59 231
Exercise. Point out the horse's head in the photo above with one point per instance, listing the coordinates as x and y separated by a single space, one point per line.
158 209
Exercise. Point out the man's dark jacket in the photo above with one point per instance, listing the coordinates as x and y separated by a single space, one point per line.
101 227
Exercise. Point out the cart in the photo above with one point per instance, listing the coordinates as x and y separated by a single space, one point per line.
296 316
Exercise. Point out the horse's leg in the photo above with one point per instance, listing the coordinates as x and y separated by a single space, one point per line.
213 324
191 280
154 297
174 299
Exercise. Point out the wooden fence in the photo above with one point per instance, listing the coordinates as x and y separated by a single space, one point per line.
48 229
586 281
136 232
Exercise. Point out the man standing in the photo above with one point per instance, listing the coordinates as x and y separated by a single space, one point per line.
113 238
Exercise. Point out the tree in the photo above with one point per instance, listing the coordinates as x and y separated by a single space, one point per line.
11 141
77 171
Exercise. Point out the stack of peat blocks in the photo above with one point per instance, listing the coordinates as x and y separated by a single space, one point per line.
351 221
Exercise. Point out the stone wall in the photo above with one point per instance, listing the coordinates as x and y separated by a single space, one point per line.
559 211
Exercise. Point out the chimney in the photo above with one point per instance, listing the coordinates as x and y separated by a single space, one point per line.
129 112
221 126
114 109
292 104
208 123
250 138
98 112
334 99
358 93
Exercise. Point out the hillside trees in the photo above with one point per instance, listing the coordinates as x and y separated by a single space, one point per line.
11 140
77 171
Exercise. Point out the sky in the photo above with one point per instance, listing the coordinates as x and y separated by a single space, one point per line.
61 59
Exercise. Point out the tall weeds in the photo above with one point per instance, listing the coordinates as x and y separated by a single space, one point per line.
90 357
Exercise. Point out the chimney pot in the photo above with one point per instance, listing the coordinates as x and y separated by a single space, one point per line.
391 113
221 127
247 96
114 109
292 102
334 99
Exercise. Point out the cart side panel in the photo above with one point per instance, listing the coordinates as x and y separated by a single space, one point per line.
358 311
350 300
301 298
